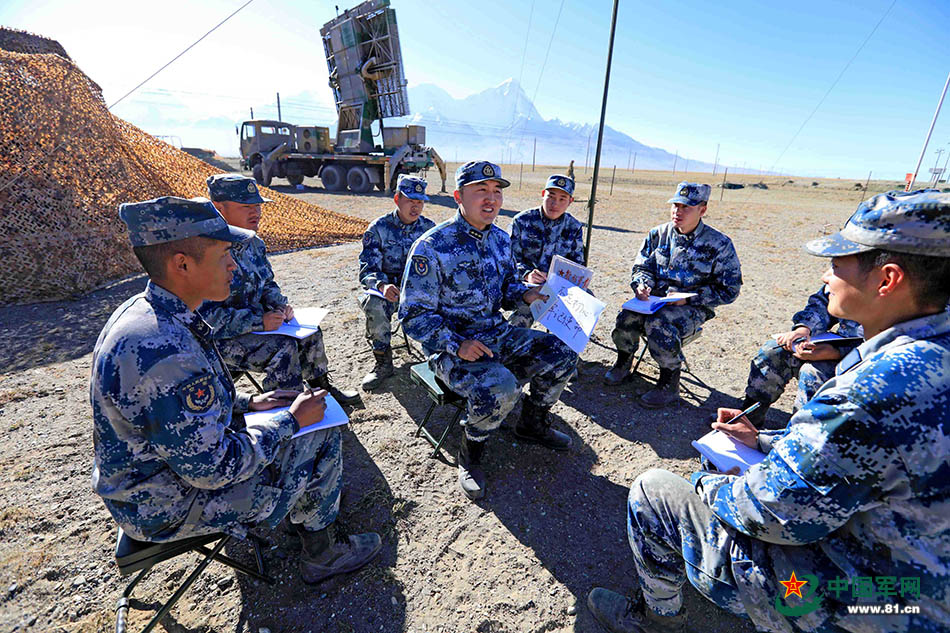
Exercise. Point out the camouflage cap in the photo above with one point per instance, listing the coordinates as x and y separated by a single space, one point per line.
234 188
916 222
169 219
564 183
412 187
690 194
478 171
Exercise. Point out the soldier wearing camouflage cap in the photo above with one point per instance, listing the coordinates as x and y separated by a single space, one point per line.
683 255
174 456
538 234
256 304
850 509
386 245
459 276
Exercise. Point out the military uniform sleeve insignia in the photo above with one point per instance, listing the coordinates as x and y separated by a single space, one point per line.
420 264
198 394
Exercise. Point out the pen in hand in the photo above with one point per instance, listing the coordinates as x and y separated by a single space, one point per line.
746 412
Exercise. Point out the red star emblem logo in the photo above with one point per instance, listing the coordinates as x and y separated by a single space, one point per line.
793 586
201 394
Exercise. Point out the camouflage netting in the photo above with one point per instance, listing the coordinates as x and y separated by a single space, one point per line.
59 209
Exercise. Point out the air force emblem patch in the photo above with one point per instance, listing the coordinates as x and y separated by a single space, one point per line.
198 394
488 171
418 188
250 187
561 182
420 264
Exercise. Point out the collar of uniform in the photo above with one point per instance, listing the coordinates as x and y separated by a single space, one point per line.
546 220
468 229
173 305
399 224
906 332
689 237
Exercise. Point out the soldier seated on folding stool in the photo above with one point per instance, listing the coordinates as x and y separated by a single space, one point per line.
386 245
792 354
459 276
538 234
256 304
174 456
683 255
855 488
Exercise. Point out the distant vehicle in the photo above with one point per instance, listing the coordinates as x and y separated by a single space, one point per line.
366 76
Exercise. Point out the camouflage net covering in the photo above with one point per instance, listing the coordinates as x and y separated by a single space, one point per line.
66 163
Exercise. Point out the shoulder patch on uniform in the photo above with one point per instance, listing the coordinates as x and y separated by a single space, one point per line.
198 394
420 264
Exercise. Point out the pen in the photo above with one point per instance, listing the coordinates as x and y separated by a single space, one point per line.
746 412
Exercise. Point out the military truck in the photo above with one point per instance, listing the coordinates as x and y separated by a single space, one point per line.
364 59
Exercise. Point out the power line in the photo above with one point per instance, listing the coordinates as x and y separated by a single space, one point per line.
63 143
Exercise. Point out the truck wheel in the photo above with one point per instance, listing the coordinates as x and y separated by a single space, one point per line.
259 176
358 180
332 178
295 179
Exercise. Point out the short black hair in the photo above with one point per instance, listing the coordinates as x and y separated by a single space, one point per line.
929 276
154 256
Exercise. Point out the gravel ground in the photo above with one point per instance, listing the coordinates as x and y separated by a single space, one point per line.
524 558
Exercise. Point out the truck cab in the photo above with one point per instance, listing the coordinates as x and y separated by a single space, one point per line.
259 137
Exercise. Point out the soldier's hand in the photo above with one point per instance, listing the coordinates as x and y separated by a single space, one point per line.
786 339
536 277
533 295
811 352
740 430
273 320
272 399
309 407
473 350
643 292
391 292
288 313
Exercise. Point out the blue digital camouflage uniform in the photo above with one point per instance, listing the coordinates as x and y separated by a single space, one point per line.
386 245
457 280
704 262
285 361
773 366
173 455
535 240
853 495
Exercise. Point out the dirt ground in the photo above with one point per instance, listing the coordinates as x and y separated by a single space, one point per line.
523 559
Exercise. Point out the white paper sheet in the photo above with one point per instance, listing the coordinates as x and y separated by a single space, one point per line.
653 304
725 452
570 313
333 416
304 324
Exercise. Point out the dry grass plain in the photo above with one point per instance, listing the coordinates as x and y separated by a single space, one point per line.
521 560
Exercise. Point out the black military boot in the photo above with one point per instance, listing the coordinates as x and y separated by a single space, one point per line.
534 427
471 475
342 396
332 551
621 369
666 391
382 370
757 417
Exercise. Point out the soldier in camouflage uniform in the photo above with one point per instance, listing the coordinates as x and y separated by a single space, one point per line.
538 234
792 354
683 255
174 457
459 276
256 304
386 245
853 496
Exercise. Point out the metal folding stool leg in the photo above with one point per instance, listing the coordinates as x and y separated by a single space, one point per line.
439 394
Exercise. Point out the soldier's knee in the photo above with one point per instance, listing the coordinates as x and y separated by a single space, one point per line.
653 485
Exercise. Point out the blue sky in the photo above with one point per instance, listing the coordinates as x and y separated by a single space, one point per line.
687 75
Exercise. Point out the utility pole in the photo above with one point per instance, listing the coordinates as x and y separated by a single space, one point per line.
520 176
600 134
675 159
722 190
864 194
252 113
716 164
923 151
945 179
933 181
612 181
634 169
279 118
587 156
629 154
686 171
534 153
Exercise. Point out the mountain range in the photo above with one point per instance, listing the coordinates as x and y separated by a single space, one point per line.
501 124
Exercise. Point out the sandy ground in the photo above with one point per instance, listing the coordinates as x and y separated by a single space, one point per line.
523 559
